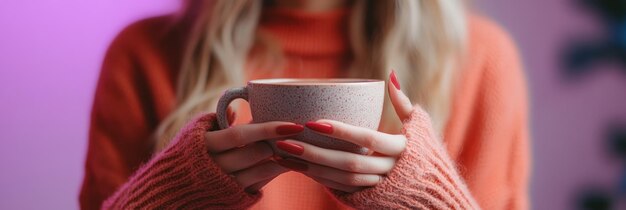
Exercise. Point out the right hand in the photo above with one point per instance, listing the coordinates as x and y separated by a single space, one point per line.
242 152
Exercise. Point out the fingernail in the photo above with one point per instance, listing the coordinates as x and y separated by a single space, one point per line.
320 127
290 147
293 164
289 129
394 79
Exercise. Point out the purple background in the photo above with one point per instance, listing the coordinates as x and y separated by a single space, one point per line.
50 53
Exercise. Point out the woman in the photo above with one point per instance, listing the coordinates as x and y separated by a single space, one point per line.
466 149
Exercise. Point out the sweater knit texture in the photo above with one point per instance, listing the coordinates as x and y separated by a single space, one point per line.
183 176
424 176
481 160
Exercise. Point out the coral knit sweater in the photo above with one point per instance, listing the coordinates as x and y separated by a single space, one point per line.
480 161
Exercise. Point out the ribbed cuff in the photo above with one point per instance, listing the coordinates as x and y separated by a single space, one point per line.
424 176
183 176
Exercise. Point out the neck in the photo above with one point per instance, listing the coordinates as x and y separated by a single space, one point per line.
311 5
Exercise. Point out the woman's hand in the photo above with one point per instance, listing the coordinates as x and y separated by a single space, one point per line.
242 152
345 171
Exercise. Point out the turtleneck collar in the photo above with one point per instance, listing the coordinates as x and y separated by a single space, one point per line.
308 33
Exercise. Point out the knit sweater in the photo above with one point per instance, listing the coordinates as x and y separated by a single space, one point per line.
184 176
482 159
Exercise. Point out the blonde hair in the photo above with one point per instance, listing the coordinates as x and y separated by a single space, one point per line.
422 40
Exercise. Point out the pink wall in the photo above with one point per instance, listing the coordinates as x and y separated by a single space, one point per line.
50 54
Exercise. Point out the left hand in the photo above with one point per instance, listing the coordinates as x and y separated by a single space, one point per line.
345 171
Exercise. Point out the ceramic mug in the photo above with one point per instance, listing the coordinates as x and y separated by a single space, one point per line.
353 101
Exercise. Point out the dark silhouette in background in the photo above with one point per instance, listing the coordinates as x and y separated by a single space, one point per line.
579 59
582 54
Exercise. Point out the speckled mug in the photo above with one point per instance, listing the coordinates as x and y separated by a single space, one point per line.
354 101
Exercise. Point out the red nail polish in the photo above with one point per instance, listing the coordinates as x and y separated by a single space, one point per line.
290 147
320 127
289 129
293 164
394 79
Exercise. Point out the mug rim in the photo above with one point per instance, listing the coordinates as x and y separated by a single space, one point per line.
314 81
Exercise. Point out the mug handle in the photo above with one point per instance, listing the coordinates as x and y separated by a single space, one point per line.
222 105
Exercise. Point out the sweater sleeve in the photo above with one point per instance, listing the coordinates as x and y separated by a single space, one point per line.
486 151
489 136
424 177
120 126
183 176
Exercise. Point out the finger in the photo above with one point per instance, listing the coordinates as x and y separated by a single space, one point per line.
244 157
239 135
258 173
333 174
231 115
391 145
335 185
401 103
346 161
256 187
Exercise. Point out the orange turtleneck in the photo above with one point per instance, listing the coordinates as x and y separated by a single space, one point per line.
486 136
312 44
